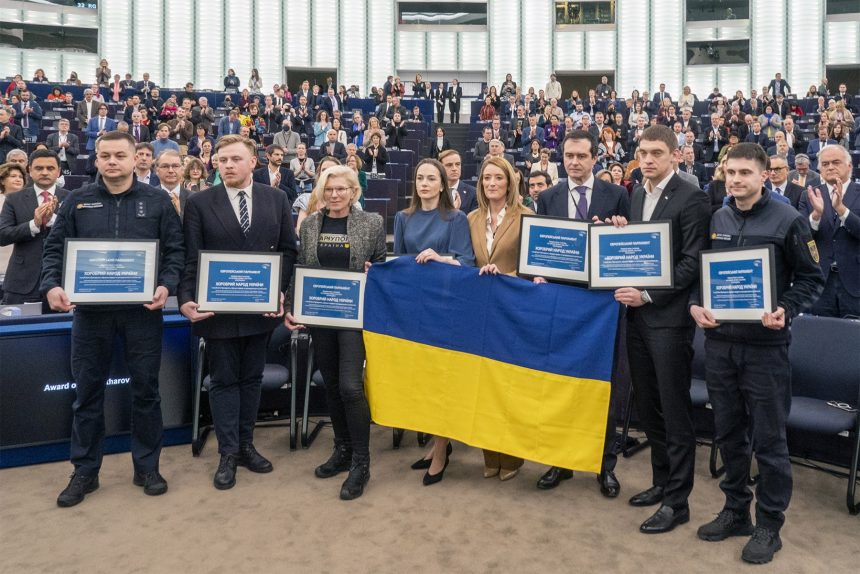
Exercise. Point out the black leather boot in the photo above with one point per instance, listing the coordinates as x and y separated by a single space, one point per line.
339 461
359 474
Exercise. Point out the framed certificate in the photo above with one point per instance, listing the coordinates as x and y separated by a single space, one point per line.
98 271
636 255
331 298
239 282
554 248
739 284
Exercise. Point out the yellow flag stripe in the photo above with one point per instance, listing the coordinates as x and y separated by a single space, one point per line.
538 416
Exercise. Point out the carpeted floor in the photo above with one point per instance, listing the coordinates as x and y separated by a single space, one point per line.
289 521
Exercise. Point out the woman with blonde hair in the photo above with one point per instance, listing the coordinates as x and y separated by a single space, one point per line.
309 203
339 236
495 229
373 128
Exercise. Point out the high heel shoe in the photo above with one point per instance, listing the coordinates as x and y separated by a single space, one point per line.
434 478
508 474
490 472
424 463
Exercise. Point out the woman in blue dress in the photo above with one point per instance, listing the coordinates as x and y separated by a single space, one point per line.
432 229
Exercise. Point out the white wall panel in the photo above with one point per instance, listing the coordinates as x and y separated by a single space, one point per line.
473 51
10 15
538 28
148 41
768 40
701 80
733 78
805 50
39 17
504 24
238 35
410 51
50 62
634 46
441 50
84 64
569 54
114 41
600 50
268 57
297 25
381 42
843 43
668 52
209 44
353 63
179 43
325 40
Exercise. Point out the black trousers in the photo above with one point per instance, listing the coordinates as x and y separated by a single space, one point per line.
33 296
749 383
455 113
236 376
835 301
93 334
340 358
660 371
440 114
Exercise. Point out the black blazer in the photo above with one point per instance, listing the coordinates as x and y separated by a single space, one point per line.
25 265
791 191
454 97
607 199
687 207
435 150
339 150
211 223
381 159
288 181
468 197
145 136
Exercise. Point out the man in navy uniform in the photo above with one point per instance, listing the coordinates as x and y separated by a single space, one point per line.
116 207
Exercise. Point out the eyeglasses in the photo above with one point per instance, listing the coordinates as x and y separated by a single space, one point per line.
336 190
170 166
778 168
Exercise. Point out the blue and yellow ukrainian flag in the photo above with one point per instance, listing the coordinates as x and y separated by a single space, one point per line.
493 361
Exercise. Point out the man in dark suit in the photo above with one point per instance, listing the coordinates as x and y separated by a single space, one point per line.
143 163
690 166
778 181
660 95
87 109
11 135
465 197
275 174
455 95
25 221
439 97
688 122
778 86
660 331
65 144
843 95
134 107
331 102
145 86
497 131
781 107
229 124
793 136
97 126
333 147
715 138
168 167
28 113
203 115
833 210
585 198
817 145
237 215
137 130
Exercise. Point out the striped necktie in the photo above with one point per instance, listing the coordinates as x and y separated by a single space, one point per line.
244 220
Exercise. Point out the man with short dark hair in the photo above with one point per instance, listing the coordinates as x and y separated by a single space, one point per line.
26 220
778 182
116 207
538 182
276 174
660 331
746 364
28 114
482 146
64 144
464 196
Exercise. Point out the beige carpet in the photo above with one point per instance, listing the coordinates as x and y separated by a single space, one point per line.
289 521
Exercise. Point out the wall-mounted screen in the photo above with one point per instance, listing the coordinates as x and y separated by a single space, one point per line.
442 14
38 37
585 13
722 52
717 10
842 7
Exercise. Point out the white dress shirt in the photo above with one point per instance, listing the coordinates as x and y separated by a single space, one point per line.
233 194
573 195
143 179
34 227
491 234
172 192
61 139
652 196
273 175
814 224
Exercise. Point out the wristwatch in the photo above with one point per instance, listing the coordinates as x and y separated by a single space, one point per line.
645 296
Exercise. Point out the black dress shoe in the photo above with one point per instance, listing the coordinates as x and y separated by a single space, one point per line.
353 486
253 460
665 519
609 485
152 482
225 476
78 487
553 477
434 478
650 497
424 463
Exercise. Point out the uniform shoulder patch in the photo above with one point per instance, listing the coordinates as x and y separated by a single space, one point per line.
813 250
